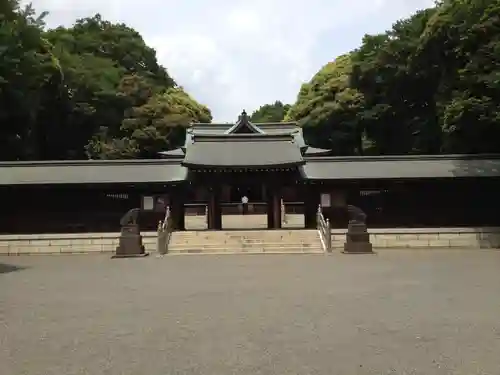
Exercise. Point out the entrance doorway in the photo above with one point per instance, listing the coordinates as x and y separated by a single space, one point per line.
250 215
254 193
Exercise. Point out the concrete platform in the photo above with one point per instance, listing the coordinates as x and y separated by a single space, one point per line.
400 312
388 238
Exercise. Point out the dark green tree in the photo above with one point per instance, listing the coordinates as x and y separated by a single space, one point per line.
270 112
159 124
79 91
31 83
430 84
327 108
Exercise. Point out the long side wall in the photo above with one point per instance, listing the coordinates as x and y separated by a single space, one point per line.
78 243
387 204
425 238
428 238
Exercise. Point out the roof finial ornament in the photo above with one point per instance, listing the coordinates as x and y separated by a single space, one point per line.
243 117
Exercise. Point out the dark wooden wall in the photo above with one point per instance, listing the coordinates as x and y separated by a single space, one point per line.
388 204
67 209
425 203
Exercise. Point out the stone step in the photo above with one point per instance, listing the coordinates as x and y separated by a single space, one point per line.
243 245
257 241
233 242
249 238
249 232
247 244
288 250
247 241
285 237
238 246
229 242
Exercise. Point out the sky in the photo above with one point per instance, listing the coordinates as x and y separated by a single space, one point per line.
240 54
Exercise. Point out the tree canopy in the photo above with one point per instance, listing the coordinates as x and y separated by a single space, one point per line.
430 84
94 89
270 112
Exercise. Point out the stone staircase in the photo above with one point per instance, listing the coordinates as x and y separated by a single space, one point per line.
245 241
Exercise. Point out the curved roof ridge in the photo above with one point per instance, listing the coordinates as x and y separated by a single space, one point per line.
244 121
243 137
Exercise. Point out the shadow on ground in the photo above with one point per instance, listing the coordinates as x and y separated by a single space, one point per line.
7 268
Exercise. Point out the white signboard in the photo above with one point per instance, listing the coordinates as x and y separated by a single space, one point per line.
325 200
148 203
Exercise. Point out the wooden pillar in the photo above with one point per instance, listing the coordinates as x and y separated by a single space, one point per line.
311 201
270 207
277 208
273 207
210 210
215 209
177 208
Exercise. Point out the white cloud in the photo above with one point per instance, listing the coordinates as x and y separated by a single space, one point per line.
235 54
244 20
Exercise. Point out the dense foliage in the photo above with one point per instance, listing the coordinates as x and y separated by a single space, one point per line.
431 84
92 90
270 112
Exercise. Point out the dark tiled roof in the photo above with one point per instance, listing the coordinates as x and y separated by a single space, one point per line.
316 151
202 128
91 172
243 150
269 128
244 122
276 150
266 127
404 167
178 152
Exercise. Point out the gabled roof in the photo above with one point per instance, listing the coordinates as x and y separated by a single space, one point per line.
244 124
242 150
223 128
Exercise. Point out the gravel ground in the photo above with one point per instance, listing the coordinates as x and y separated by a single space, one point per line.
398 312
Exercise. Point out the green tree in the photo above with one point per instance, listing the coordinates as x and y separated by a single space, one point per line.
157 125
270 112
399 115
327 108
104 63
94 88
113 41
430 84
30 82
459 55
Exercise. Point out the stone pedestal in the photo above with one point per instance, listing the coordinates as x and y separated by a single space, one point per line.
357 240
130 245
